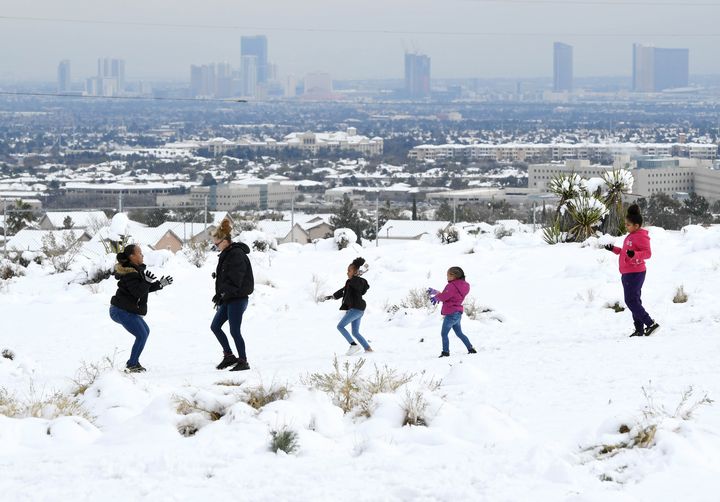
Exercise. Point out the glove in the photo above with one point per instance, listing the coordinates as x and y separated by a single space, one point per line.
432 292
214 275
165 281
328 297
609 247
149 276
434 300
630 253
216 301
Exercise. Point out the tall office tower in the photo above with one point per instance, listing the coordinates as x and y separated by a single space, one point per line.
656 69
257 46
562 67
417 75
223 80
114 69
63 77
249 76
202 80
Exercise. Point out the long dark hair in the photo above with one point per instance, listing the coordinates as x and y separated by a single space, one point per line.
123 257
357 263
633 215
456 272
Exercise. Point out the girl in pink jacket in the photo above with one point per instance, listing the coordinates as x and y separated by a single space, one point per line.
635 250
452 298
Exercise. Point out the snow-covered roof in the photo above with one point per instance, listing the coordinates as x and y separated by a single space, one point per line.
32 240
81 219
185 230
410 229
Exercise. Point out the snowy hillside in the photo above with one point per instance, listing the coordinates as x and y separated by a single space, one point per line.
551 408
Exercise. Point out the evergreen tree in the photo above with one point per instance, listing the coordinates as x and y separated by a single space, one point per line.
68 223
346 216
18 217
697 208
664 211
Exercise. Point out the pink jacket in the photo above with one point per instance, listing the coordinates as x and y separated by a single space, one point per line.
638 241
453 296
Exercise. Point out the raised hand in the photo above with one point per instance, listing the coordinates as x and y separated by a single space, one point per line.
609 247
165 281
149 276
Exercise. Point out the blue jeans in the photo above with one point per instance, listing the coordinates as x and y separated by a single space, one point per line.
453 321
233 312
352 316
632 287
137 327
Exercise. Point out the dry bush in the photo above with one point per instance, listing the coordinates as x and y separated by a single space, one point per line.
8 354
474 310
88 373
615 306
54 405
229 383
9 405
197 252
350 390
284 439
318 284
61 252
415 407
680 295
185 406
260 395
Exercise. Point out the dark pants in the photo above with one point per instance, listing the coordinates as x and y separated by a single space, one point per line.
137 327
632 286
453 321
232 312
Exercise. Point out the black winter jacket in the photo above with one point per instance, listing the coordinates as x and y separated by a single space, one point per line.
133 289
233 276
352 294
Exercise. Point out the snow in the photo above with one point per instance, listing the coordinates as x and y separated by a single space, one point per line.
554 376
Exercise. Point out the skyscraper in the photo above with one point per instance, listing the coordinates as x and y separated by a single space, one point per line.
417 75
63 77
562 67
249 70
257 46
112 68
656 69
202 80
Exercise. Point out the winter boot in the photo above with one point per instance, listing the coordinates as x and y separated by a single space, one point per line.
134 369
472 350
652 329
637 333
444 354
354 349
240 366
227 361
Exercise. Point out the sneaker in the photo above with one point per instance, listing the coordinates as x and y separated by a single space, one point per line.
240 366
134 369
472 350
652 329
354 349
637 333
227 361
369 349
444 354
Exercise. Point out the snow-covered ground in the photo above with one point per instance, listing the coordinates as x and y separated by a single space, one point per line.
555 376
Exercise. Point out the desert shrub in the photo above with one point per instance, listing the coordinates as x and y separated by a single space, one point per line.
229 383
61 252
88 373
318 284
553 234
197 251
9 405
587 213
448 235
8 270
260 395
97 275
350 390
53 405
502 232
415 407
680 295
615 306
247 225
284 439
474 310
185 406
8 354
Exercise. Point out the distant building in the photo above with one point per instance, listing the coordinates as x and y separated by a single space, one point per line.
202 80
258 47
417 76
110 79
319 85
656 69
251 193
64 82
562 67
249 76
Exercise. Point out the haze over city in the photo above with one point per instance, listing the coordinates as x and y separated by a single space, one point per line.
464 38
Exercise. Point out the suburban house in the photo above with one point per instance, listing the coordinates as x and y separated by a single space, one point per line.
32 240
91 220
156 238
410 230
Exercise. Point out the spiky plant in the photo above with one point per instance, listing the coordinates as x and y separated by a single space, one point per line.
566 187
619 182
587 213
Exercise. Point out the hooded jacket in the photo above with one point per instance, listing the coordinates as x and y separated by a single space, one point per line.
233 276
638 241
133 289
352 293
453 296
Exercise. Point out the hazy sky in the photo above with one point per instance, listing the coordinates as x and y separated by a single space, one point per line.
32 50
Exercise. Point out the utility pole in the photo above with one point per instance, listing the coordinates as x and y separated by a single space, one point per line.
206 213
5 225
292 217
454 209
120 208
377 219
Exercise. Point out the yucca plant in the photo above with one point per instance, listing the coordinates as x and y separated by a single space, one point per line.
566 187
619 182
587 213
553 234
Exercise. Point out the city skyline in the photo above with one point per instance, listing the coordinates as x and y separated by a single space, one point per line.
358 45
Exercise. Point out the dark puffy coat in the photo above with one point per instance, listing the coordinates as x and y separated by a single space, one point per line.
133 289
233 276
352 294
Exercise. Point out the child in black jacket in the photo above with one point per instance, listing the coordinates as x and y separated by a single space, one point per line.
352 301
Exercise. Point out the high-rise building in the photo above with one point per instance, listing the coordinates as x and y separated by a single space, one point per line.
223 80
656 69
562 67
257 46
202 80
249 76
112 68
63 77
417 75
